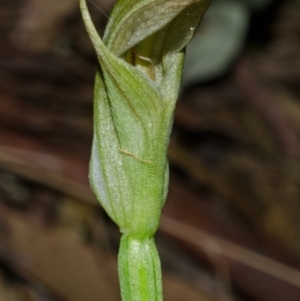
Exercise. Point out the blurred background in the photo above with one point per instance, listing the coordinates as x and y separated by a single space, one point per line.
230 230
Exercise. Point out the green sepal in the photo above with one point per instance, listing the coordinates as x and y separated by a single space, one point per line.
134 102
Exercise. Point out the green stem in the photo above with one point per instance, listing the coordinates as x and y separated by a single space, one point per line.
139 270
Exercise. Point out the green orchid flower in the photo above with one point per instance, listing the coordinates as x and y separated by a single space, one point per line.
137 84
